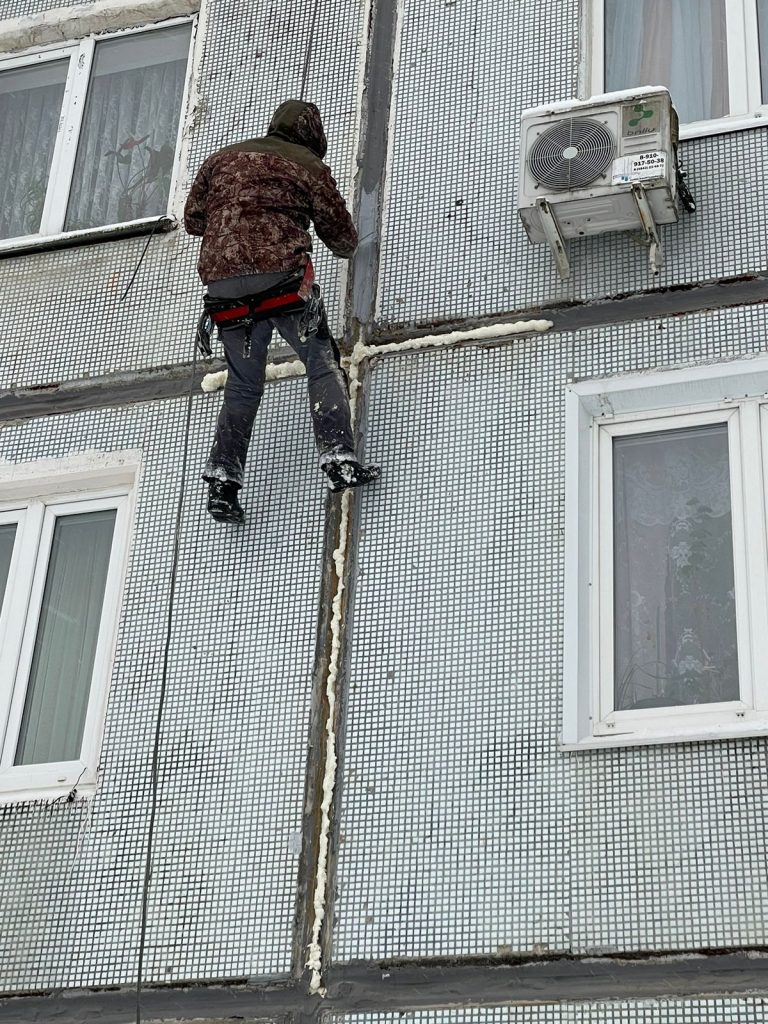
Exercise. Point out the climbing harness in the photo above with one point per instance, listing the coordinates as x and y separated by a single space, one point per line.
298 294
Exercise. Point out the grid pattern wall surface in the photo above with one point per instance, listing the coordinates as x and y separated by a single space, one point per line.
464 830
68 321
233 743
746 1010
453 245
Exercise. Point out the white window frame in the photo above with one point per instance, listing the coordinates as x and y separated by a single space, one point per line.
34 496
596 412
80 54
744 84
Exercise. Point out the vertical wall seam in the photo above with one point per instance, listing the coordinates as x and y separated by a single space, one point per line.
364 272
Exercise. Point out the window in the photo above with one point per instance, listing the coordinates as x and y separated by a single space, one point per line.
667 566
712 55
90 131
62 558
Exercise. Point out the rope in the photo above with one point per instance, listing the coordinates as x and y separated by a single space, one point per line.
310 45
172 593
163 689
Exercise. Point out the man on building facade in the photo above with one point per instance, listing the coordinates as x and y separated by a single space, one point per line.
253 203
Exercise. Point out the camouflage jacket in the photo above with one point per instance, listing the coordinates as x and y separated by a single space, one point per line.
253 202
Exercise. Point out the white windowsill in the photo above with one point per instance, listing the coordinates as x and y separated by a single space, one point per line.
48 794
737 123
694 735
40 243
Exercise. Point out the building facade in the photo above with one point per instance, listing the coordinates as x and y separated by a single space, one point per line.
485 741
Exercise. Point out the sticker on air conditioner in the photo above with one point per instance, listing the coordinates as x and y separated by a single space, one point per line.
639 167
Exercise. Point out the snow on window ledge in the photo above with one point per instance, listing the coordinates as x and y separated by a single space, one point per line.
64 24
109 232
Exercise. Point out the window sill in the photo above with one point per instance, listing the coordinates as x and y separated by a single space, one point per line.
696 734
700 129
70 239
48 795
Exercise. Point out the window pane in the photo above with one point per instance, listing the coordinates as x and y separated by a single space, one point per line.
762 22
674 605
678 43
30 107
65 648
128 138
7 537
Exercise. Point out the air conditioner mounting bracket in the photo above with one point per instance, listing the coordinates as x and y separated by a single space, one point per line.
655 253
556 241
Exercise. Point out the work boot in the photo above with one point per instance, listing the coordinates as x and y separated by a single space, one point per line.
222 502
348 472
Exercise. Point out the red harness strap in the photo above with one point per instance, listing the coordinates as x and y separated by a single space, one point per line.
260 309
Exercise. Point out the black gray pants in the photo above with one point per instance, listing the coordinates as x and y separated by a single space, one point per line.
245 349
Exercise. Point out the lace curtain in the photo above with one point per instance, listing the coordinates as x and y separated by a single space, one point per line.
67 634
674 603
30 105
677 43
128 137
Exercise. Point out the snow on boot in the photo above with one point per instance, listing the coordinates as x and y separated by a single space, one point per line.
222 502
344 473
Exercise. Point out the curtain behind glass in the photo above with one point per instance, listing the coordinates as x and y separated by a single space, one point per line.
762 25
30 107
128 137
7 537
677 43
67 634
674 603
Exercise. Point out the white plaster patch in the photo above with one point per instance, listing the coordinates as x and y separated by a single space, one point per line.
65 24
275 371
214 381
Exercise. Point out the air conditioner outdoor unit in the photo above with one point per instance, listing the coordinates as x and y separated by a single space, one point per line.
604 164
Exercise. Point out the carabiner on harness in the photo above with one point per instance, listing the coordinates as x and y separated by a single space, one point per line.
203 335
311 315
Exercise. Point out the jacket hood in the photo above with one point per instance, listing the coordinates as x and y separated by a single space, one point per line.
300 123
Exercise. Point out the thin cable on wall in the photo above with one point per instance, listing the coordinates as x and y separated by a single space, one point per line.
163 688
155 226
310 47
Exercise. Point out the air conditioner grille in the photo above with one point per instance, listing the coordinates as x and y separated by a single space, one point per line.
571 154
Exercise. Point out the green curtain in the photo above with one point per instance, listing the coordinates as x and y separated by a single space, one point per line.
762 28
67 634
7 537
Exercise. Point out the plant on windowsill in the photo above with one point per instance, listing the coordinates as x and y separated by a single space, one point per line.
140 187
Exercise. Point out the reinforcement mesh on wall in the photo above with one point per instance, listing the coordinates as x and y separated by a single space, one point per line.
67 319
233 741
454 246
744 1010
464 828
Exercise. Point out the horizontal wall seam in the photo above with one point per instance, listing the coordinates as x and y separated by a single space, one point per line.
417 985
130 387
